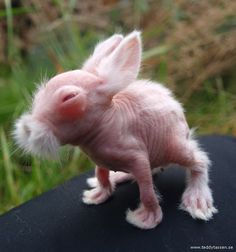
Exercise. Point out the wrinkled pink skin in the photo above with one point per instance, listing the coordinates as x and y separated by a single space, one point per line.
131 127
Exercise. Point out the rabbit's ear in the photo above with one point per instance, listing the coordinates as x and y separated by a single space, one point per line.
121 67
101 51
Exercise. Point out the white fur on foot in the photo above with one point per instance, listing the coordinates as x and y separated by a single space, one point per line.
92 182
198 203
96 195
120 177
144 218
115 178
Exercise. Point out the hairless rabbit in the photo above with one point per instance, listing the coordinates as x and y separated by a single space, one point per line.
128 127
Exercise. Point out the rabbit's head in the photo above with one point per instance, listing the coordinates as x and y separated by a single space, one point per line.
68 105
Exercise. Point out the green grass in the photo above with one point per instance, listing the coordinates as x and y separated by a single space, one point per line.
22 177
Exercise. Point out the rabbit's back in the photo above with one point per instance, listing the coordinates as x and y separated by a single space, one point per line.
153 116
154 97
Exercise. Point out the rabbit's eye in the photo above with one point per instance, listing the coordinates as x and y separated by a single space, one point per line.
69 96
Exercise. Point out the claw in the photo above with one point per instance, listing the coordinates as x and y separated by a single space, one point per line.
198 203
96 195
144 218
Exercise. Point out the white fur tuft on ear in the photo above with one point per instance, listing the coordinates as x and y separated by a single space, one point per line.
102 50
36 137
122 66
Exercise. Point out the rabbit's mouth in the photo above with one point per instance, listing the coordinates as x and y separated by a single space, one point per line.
36 137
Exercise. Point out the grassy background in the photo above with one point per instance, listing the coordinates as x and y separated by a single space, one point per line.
39 40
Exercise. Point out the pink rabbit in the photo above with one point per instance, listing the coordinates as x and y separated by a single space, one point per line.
126 126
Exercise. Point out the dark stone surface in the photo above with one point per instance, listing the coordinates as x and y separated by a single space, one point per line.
59 221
